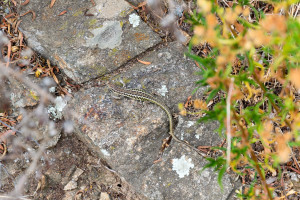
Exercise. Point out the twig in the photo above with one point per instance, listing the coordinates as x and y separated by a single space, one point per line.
228 124
4 151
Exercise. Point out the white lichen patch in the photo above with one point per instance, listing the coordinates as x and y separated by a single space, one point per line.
52 89
108 36
163 90
56 110
190 123
182 166
105 152
134 20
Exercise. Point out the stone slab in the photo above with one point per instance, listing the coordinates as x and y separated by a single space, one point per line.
128 134
179 175
86 41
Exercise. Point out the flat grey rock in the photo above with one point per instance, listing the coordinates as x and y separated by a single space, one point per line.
87 41
179 175
20 94
128 134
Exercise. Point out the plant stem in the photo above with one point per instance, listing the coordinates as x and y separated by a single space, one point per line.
253 156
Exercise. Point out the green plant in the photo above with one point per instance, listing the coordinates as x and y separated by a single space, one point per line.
253 68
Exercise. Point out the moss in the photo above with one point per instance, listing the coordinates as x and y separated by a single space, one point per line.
64 26
123 13
112 52
92 22
77 13
33 95
99 70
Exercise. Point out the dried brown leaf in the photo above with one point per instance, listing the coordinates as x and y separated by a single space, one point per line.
55 78
19 118
52 3
188 101
294 77
282 149
199 104
183 112
144 62
17 24
93 2
239 27
25 2
21 37
30 11
62 13
274 23
14 2
8 53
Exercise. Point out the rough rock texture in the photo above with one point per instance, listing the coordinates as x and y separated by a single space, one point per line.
87 41
128 134
70 163
20 94
23 98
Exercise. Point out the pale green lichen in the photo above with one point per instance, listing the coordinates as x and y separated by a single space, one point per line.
92 22
99 70
112 52
123 13
64 26
77 13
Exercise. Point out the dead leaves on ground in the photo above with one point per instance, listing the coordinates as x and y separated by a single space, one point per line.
17 53
6 123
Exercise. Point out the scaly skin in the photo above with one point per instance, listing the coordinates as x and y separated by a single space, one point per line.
137 94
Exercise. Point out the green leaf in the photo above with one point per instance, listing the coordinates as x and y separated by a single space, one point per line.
212 94
220 176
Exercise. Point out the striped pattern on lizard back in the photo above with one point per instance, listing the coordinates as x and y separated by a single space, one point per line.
141 95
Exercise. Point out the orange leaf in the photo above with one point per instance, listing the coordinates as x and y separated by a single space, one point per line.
199 104
21 38
55 79
1 147
8 53
63 12
144 62
282 149
16 28
19 118
25 2
33 14
294 77
187 102
93 2
52 3
15 3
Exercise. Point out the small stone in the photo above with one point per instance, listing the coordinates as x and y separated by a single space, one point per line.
76 174
104 196
54 176
71 185
134 19
294 177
